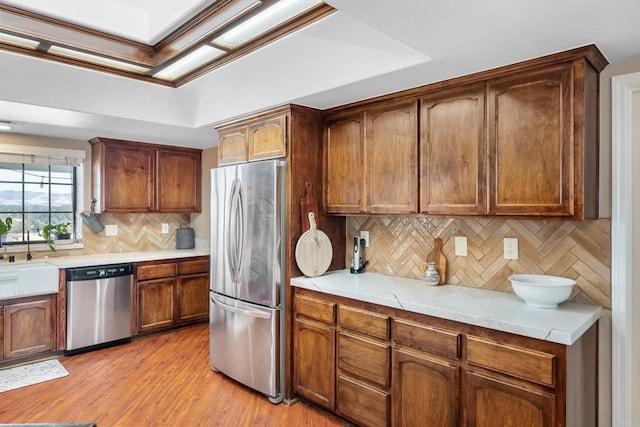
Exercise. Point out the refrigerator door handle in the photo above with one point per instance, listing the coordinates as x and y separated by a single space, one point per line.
235 232
237 310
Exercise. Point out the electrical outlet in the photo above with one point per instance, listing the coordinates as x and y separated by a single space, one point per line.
111 230
510 248
365 235
165 228
461 245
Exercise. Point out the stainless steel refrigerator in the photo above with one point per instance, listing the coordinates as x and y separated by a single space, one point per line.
247 275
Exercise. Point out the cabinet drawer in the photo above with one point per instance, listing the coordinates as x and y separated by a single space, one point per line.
315 308
362 404
364 359
156 271
364 322
426 338
193 266
520 362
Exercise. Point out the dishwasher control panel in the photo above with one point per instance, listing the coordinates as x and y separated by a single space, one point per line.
99 272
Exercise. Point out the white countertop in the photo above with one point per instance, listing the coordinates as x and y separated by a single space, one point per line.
490 309
116 258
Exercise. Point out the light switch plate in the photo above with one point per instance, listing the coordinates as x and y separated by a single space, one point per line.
461 245
111 230
165 228
511 248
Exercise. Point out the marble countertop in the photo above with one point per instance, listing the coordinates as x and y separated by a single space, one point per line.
490 309
116 258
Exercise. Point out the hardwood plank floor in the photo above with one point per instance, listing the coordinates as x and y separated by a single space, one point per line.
162 380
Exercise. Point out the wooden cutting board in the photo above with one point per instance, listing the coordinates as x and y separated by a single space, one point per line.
313 251
308 204
440 260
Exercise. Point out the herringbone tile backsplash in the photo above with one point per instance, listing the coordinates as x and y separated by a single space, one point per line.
578 250
136 232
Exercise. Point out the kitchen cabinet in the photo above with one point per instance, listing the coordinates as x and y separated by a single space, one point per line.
520 140
452 152
257 138
371 160
140 177
531 142
425 374
314 339
394 367
171 293
28 326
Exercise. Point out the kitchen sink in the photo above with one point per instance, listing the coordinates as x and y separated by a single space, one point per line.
23 279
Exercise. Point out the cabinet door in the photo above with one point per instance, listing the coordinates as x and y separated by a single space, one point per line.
232 145
314 362
344 164
425 390
268 139
495 401
156 304
531 153
179 181
29 328
453 152
128 179
392 159
193 298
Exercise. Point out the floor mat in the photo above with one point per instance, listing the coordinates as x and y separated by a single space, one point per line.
34 373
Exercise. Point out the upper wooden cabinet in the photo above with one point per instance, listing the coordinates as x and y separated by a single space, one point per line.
258 138
452 151
344 164
140 177
520 140
532 154
371 160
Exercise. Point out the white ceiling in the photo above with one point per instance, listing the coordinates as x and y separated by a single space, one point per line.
363 50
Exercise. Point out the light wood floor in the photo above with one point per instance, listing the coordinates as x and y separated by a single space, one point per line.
163 380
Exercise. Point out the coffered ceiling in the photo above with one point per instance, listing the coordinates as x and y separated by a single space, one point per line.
361 50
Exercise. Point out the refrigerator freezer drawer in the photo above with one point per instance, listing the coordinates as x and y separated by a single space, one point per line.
244 341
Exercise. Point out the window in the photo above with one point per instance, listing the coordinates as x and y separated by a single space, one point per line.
34 195
39 186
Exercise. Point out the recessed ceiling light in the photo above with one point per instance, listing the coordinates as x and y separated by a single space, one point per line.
264 21
18 41
95 59
5 125
198 57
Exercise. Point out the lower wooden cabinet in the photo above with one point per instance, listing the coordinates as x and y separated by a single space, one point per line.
496 400
28 327
314 352
425 390
379 366
171 293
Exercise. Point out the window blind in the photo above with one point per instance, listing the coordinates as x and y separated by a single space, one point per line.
41 155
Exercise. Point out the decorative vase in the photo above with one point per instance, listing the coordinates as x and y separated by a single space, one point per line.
431 275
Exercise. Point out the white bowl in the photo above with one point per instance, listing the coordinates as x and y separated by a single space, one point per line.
540 290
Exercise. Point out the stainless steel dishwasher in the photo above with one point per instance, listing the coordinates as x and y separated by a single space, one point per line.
99 301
